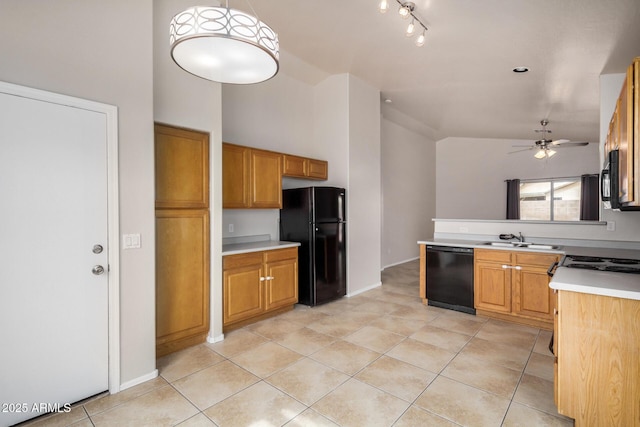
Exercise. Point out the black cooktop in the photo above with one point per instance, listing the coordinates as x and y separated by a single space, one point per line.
616 265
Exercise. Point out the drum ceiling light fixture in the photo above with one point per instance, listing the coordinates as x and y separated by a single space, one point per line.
224 45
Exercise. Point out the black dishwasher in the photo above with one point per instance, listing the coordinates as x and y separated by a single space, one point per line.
450 278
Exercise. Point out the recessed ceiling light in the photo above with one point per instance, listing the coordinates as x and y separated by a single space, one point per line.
520 70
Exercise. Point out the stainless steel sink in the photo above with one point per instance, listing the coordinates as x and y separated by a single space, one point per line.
524 245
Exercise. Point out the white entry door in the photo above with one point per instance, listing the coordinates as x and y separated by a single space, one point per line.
53 256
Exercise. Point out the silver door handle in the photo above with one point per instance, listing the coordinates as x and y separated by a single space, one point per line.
97 249
97 270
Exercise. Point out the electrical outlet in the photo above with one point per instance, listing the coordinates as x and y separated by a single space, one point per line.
230 228
611 226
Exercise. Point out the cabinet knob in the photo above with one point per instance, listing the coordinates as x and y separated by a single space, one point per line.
262 279
504 266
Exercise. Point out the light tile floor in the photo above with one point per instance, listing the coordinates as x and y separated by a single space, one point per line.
380 358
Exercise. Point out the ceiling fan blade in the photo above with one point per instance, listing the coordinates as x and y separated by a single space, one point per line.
559 141
524 149
571 144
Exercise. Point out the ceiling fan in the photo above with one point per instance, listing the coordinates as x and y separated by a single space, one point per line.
545 146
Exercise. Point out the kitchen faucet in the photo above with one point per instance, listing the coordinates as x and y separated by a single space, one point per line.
519 237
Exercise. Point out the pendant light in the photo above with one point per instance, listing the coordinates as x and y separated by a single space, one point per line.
224 45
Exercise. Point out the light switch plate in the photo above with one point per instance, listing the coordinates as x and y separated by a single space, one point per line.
130 241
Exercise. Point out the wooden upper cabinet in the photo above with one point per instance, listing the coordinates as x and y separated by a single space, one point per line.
628 148
294 166
266 179
302 167
182 171
252 178
624 135
235 176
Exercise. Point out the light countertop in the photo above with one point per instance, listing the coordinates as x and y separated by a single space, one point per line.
605 283
618 285
263 245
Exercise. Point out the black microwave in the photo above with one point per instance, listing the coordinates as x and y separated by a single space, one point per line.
610 184
609 191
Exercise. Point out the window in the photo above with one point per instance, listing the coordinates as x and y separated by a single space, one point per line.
550 199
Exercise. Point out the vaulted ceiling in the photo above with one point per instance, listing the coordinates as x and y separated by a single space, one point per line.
461 83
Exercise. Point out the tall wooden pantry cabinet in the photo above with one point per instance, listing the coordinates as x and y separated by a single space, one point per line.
182 238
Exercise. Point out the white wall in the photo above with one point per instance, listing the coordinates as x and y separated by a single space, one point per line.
102 51
470 173
364 192
336 119
408 191
184 100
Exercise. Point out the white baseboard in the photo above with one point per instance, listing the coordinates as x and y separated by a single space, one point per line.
368 288
213 339
139 380
400 262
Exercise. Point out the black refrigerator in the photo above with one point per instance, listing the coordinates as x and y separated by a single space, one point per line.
315 217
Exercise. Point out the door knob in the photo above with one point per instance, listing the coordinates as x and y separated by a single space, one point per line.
97 249
97 270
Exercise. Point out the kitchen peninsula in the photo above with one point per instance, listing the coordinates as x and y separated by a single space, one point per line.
596 323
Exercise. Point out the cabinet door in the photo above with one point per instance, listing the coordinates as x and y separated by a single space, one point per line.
492 287
294 166
181 167
531 293
281 284
235 176
243 293
318 169
182 276
266 179
625 139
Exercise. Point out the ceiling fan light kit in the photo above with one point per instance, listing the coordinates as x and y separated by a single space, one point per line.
545 147
406 10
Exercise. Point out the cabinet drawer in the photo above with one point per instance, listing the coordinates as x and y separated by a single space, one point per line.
492 255
280 254
241 260
528 258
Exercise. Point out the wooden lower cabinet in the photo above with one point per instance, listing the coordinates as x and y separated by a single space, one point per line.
513 285
182 278
598 351
258 285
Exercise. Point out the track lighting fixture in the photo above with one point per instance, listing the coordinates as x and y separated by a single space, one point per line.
406 10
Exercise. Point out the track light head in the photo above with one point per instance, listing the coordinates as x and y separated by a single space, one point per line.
406 9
